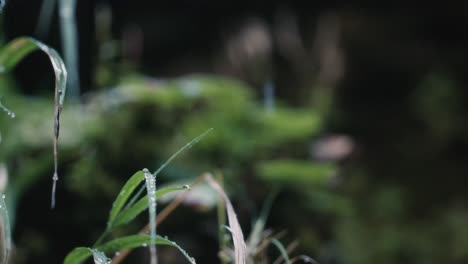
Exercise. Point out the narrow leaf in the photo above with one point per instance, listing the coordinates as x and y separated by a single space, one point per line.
124 194
6 230
240 248
80 254
182 149
13 53
77 255
18 48
130 213
282 250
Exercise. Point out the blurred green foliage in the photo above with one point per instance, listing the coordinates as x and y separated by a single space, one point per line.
142 121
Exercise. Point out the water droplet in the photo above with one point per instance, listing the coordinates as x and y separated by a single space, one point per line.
186 187
117 253
144 245
8 111
145 170
3 196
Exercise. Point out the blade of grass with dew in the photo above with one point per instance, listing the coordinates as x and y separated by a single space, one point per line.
16 50
240 248
67 9
124 194
8 111
6 230
80 254
130 213
150 180
99 257
168 161
282 250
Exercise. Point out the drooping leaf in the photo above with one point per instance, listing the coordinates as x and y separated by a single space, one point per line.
124 194
17 49
240 249
80 254
13 53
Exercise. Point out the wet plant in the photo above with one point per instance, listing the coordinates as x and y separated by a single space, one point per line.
128 205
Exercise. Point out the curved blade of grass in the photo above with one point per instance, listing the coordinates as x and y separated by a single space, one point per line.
282 250
130 213
124 194
182 149
240 248
99 257
150 180
6 230
18 48
13 53
80 254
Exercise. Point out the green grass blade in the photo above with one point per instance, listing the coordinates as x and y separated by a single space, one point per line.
6 230
259 226
282 250
130 213
124 194
67 9
150 181
78 255
182 149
